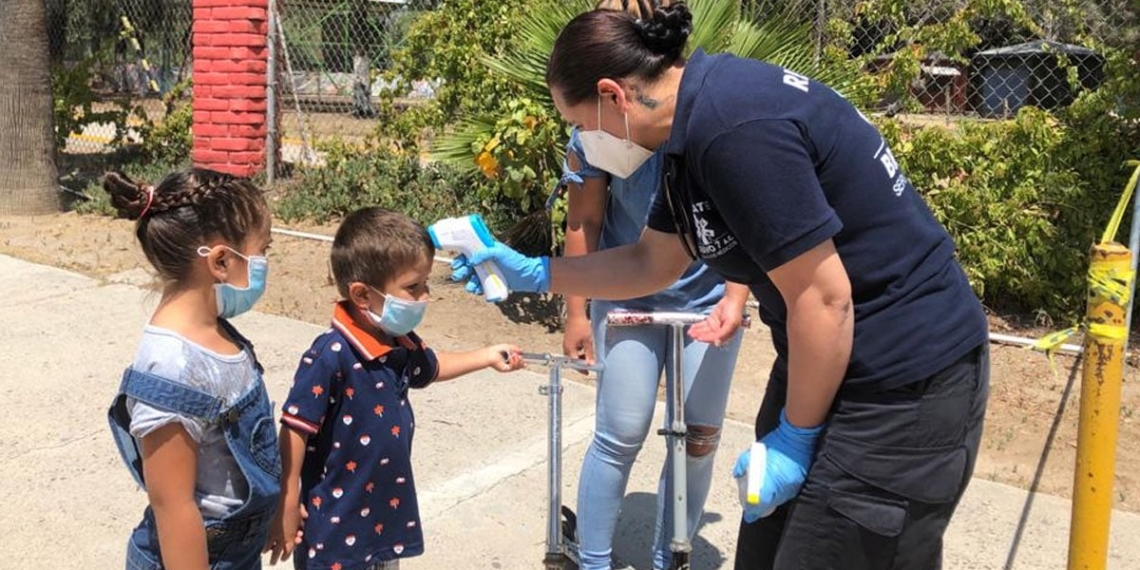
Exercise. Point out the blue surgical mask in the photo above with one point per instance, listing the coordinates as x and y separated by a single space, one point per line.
399 316
233 301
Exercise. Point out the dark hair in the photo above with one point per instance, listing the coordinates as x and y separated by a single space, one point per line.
372 245
187 209
615 44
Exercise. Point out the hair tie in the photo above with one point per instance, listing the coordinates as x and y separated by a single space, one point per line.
149 200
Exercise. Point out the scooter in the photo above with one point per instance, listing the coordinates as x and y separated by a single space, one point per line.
561 534
561 539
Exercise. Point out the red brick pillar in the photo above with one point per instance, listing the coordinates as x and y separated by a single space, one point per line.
230 53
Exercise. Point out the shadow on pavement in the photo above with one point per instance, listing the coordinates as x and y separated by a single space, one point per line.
633 540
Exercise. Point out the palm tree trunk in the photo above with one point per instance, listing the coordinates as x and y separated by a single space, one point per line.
28 175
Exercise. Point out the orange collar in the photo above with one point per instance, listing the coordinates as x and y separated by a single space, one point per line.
365 342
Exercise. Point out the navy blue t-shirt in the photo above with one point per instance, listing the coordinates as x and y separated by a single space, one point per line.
350 396
770 164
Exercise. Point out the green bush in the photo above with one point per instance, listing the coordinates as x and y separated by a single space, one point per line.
445 46
1024 199
375 175
517 155
170 140
1016 213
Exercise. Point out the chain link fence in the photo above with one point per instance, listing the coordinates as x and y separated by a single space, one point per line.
957 57
334 52
947 57
112 61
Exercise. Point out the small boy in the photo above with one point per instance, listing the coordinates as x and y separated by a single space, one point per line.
347 423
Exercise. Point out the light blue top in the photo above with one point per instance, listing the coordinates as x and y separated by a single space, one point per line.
220 487
627 209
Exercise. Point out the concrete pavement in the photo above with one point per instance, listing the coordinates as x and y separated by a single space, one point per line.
480 451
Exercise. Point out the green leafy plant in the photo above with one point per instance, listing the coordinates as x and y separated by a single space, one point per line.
170 140
373 174
515 153
1025 198
517 143
444 47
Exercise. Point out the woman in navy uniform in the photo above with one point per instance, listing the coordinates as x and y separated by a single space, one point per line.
873 412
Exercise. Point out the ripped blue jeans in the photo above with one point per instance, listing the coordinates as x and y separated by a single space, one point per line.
627 394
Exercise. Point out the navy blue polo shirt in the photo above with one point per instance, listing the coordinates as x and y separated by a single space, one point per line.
350 395
768 164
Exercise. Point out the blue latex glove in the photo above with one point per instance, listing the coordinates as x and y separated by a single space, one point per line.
789 453
462 270
522 273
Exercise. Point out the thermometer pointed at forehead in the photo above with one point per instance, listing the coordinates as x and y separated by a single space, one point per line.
467 235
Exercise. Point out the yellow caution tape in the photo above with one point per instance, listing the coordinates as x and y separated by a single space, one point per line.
1111 284
129 33
1122 205
1051 342
1054 340
1114 333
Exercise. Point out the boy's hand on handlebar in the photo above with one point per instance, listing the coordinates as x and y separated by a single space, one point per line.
505 357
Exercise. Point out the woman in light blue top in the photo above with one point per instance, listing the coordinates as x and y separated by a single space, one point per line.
606 211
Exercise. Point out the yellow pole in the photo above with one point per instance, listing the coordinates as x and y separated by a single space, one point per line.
1109 278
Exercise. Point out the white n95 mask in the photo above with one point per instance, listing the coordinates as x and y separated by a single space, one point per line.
618 157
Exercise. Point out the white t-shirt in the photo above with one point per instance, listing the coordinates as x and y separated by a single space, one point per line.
220 486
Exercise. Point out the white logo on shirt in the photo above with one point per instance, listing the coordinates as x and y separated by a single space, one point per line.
891 165
796 80
703 232
711 244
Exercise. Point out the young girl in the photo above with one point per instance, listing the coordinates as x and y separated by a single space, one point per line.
192 419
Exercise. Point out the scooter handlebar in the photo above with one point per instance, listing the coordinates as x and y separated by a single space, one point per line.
548 359
635 319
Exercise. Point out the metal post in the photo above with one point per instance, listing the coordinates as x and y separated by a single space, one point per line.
554 551
271 100
1100 406
679 545
1133 244
820 26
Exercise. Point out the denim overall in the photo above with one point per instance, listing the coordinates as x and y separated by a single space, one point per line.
234 542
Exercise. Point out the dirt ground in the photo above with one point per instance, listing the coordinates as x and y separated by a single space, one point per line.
1026 400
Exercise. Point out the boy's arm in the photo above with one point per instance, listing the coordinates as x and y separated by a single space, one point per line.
301 415
501 357
170 468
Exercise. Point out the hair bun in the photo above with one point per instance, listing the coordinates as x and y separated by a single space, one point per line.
667 30
129 198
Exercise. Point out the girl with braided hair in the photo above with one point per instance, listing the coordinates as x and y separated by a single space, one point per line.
192 419
872 416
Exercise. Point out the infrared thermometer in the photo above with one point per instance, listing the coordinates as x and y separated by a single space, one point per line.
467 235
